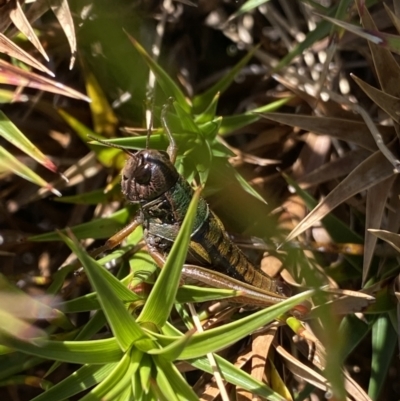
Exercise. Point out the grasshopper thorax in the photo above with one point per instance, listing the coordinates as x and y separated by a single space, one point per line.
147 175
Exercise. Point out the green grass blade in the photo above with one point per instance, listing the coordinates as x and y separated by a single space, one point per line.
9 163
99 196
94 351
354 330
169 87
221 337
238 377
80 380
233 123
164 385
13 135
90 302
180 386
248 6
96 229
117 381
247 187
109 157
323 28
384 342
124 327
202 102
209 113
173 350
162 297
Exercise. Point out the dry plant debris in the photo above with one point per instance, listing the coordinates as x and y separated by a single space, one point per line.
286 110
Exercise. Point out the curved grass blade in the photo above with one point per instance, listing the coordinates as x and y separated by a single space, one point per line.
162 388
82 352
161 299
81 380
215 339
392 239
247 187
104 119
124 327
235 122
96 229
163 79
12 134
231 373
117 380
9 163
95 197
166 370
172 351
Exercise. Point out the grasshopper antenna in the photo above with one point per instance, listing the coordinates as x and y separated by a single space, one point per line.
149 119
112 145
172 148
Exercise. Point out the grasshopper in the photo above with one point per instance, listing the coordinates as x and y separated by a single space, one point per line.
150 179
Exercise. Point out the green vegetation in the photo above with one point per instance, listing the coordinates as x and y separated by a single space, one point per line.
285 115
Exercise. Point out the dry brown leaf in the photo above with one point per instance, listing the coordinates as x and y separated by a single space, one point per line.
34 12
369 173
391 238
12 75
243 395
307 374
354 389
261 345
386 67
63 14
304 372
334 169
388 103
11 49
393 220
376 201
19 19
312 155
351 302
394 18
346 130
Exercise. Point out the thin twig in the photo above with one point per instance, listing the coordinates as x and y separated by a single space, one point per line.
210 356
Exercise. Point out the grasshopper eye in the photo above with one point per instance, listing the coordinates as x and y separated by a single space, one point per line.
143 175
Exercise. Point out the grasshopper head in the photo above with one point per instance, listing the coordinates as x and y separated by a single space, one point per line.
147 174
